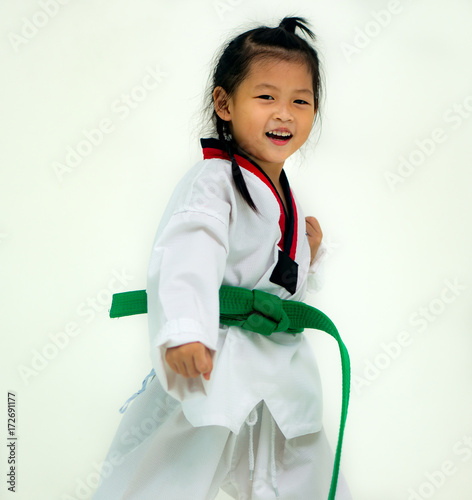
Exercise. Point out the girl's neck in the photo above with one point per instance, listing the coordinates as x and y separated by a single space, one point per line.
279 188
273 172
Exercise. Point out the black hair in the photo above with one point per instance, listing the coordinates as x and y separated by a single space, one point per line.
233 66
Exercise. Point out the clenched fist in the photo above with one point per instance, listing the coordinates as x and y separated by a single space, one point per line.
190 360
314 235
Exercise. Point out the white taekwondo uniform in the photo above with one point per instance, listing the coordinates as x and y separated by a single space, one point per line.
261 411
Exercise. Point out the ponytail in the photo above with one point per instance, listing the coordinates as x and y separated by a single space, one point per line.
231 147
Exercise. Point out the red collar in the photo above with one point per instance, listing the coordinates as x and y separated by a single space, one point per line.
213 148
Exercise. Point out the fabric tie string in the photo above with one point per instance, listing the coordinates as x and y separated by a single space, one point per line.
263 313
251 422
152 373
273 468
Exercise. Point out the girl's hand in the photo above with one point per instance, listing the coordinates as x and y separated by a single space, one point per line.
314 235
190 360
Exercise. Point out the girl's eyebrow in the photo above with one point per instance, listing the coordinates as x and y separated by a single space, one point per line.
270 86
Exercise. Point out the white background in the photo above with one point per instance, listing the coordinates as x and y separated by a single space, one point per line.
394 246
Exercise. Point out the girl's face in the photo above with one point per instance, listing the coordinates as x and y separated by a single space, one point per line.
271 113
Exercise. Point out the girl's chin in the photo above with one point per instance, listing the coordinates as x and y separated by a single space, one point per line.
270 156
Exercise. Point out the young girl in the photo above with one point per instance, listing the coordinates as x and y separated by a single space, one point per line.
226 407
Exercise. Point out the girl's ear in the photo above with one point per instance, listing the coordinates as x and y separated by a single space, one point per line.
220 99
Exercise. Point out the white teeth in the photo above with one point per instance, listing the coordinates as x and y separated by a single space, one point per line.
280 134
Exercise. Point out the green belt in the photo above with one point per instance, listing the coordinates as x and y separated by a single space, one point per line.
263 313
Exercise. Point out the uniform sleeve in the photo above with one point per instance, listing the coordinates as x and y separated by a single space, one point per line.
315 279
185 273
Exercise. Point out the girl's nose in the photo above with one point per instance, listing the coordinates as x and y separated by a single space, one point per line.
283 112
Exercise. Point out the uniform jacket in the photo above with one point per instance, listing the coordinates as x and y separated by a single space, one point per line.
208 237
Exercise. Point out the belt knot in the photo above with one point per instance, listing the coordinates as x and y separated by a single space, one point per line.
268 314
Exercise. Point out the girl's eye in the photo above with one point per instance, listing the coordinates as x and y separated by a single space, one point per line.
265 97
301 101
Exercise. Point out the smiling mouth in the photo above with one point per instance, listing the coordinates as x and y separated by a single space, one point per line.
279 138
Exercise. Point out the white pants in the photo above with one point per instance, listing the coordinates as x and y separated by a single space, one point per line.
176 461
